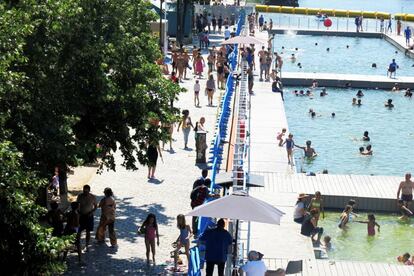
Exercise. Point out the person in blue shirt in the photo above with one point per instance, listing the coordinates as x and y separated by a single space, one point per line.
217 241
407 34
261 22
392 68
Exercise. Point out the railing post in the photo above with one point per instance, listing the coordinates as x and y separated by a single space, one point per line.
308 22
298 22
288 22
337 24
347 23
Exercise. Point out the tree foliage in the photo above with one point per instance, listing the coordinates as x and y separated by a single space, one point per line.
25 245
74 74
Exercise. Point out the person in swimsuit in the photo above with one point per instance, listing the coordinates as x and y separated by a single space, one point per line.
405 212
153 150
354 101
186 126
359 94
183 239
344 219
309 151
371 223
150 229
280 136
317 203
290 144
406 190
365 137
389 104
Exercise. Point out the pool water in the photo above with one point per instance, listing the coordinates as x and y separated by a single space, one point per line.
392 6
395 238
337 140
357 59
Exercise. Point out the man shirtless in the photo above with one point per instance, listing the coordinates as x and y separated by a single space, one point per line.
262 61
309 151
406 189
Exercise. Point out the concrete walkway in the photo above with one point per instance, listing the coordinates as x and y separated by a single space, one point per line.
166 196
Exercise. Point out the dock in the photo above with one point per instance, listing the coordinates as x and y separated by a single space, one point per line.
346 80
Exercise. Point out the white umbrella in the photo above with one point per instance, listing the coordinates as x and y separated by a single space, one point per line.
243 40
239 206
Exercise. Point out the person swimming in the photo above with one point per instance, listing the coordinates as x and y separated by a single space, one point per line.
323 92
371 223
293 58
359 94
333 115
389 104
374 65
365 137
354 101
359 102
405 259
344 219
309 151
408 93
369 150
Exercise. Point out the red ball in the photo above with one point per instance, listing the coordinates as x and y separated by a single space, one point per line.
327 22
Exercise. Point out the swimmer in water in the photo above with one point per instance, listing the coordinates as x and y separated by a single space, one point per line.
280 136
359 94
389 104
359 102
323 92
290 144
371 223
374 65
301 93
309 93
347 46
365 137
327 49
309 151
344 218
313 114
314 84
354 101
293 58
316 43
408 93
333 115
369 150
352 203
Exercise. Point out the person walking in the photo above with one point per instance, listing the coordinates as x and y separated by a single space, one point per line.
407 35
217 242
220 23
210 88
357 24
108 206
149 229
153 150
389 25
88 205
186 126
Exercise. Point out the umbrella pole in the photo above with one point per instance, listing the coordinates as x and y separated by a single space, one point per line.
235 244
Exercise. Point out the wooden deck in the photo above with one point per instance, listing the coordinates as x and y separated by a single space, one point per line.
342 80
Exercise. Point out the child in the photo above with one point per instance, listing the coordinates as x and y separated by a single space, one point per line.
352 203
183 239
280 136
405 259
150 229
72 227
344 219
327 243
317 203
406 213
371 223
290 144
55 218
196 93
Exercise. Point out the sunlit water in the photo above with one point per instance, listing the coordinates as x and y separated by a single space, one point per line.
392 6
356 59
337 140
396 237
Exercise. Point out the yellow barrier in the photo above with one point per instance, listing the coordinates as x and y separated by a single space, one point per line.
332 12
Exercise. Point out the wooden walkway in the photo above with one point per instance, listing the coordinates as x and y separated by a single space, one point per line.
374 193
344 268
342 80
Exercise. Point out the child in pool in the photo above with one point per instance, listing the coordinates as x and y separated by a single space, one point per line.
280 136
344 219
327 243
405 212
371 223
405 259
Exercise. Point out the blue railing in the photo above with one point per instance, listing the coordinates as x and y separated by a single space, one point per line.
216 151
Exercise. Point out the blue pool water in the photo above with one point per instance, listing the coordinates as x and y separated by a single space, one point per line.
392 6
357 59
338 139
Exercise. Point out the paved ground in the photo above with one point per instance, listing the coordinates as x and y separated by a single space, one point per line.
166 196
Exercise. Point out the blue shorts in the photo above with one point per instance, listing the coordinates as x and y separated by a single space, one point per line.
407 197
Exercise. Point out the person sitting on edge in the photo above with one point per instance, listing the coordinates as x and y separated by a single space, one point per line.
310 226
405 212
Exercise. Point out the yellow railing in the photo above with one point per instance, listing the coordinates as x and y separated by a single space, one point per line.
332 12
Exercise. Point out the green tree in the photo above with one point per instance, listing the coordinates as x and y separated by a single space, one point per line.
25 245
89 78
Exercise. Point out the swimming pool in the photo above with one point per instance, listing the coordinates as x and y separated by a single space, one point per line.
395 238
357 59
337 140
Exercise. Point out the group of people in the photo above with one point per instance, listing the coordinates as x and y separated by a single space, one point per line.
80 218
309 151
